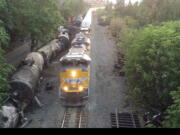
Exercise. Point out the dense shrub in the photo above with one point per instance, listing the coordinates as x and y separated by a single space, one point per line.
4 37
173 117
152 63
72 8
5 69
107 14
39 18
119 25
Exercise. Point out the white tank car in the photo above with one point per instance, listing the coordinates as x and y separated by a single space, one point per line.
36 58
86 23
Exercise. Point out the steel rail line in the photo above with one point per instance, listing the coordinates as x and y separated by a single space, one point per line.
74 118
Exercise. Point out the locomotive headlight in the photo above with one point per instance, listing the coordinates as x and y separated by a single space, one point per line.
81 88
65 88
73 73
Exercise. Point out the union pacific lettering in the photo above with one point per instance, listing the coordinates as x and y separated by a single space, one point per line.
75 81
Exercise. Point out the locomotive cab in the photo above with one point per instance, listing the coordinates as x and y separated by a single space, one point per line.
74 79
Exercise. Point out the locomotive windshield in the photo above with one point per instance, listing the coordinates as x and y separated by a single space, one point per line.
74 63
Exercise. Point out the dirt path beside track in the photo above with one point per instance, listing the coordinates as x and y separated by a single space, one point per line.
107 90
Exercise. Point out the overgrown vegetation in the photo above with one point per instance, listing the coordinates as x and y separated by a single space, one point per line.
173 119
37 19
148 34
152 63
5 69
72 8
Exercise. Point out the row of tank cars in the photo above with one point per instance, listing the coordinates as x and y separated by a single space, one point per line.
74 75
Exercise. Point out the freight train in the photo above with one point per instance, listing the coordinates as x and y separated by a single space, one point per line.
75 72
74 76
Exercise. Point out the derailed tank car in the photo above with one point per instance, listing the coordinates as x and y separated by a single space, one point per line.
51 50
24 82
9 116
23 85
34 58
64 38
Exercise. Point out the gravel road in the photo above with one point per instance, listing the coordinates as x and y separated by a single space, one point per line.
106 90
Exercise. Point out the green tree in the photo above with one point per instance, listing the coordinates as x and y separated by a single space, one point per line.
5 69
152 64
38 18
173 112
72 8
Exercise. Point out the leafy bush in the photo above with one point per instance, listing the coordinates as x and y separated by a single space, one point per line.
4 37
173 118
72 8
38 18
5 69
119 25
152 63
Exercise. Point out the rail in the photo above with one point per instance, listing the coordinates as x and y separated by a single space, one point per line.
74 118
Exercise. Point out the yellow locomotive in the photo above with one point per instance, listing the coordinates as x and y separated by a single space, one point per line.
75 77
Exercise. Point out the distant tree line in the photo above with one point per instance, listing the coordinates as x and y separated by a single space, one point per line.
150 11
148 34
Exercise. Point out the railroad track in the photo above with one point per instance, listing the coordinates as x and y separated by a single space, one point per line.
124 120
74 118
